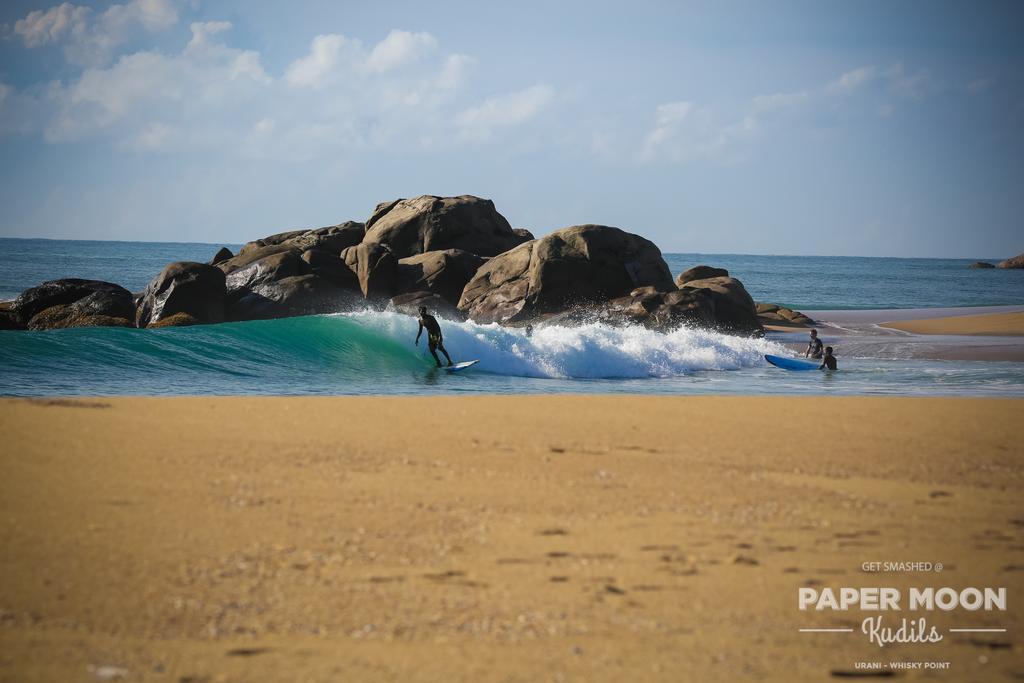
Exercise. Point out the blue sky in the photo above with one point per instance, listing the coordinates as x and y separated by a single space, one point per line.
858 128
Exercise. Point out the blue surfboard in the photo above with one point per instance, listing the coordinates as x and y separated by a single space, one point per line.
790 363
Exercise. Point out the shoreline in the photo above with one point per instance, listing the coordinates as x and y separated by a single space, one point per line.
949 333
516 537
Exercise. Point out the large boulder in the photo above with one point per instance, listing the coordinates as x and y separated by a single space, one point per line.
444 273
101 298
428 223
1015 262
523 234
375 267
700 273
284 284
576 266
183 287
99 309
734 308
410 302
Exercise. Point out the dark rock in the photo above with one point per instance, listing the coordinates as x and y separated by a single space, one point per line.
523 234
410 303
110 299
577 266
1015 262
428 223
290 296
284 284
700 273
442 272
176 320
8 317
184 287
375 267
734 308
981 264
223 254
100 309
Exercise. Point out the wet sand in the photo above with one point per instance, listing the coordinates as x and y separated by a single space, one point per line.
495 538
999 324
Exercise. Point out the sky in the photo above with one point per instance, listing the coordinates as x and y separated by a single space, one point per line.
819 128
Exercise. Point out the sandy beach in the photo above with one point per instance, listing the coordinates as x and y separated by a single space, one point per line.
495 538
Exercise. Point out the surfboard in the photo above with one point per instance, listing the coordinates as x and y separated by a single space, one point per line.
790 363
462 366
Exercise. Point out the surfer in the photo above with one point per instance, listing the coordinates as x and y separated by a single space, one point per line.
813 346
434 338
829 361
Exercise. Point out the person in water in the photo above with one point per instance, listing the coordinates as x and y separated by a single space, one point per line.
434 338
813 346
829 361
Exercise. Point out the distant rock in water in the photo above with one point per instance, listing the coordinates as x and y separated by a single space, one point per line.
575 266
74 303
774 314
981 264
1015 262
183 287
428 223
700 273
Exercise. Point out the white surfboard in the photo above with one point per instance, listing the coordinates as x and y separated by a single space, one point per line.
461 366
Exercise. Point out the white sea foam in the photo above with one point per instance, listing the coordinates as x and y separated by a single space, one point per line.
585 352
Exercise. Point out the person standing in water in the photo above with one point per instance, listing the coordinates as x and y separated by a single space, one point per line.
813 346
829 361
434 338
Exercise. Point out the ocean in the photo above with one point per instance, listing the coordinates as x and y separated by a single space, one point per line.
373 352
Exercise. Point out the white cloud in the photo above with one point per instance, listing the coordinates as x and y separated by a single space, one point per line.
326 53
683 132
41 27
504 110
339 97
398 49
90 39
851 81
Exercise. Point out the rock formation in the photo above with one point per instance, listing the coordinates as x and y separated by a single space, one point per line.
576 266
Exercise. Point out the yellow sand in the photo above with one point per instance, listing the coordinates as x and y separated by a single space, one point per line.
495 539
992 324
